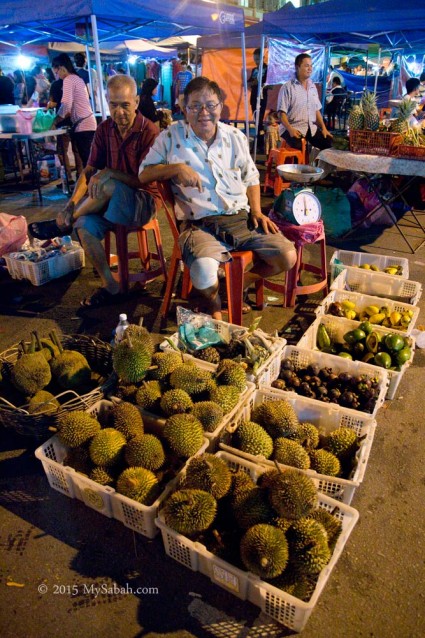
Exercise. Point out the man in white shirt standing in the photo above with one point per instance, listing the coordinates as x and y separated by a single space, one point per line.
300 108
217 191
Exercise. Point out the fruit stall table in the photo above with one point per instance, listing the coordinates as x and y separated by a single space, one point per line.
368 165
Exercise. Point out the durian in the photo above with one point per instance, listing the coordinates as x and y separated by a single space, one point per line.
43 403
331 523
146 451
231 373
79 459
342 442
163 364
131 360
210 355
70 368
291 493
308 546
102 475
127 419
106 447
77 427
190 511
176 401
148 395
291 453
264 551
209 473
190 378
278 418
253 439
325 462
184 434
308 435
139 484
250 507
31 372
209 413
140 334
227 396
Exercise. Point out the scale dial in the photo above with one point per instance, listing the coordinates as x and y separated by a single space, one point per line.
306 208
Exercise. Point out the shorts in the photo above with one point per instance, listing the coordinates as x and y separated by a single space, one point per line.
196 243
126 206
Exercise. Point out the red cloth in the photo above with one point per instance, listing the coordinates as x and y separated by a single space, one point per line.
109 150
300 235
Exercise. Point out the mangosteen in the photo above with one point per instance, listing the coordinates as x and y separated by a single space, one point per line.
345 377
313 369
305 389
325 372
279 384
347 398
321 391
295 382
335 393
287 364
333 379
286 375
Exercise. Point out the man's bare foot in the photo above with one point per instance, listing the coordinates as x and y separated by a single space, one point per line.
65 217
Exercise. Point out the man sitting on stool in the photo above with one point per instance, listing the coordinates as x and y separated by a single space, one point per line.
107 192
300 108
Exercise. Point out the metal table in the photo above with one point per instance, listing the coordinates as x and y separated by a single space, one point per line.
372 165
29 139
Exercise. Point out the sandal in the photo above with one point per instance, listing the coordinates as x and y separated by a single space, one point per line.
50 228
101 297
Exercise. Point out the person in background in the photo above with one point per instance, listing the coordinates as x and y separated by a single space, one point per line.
76 105
107 192
19 87
412 93
39 95
422 88
183 77
334 101
217 192
300 108
6 89
55 101
272 134
146 103
253 85
80 66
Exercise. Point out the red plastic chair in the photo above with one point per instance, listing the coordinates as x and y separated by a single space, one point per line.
144 253
234 270
285 154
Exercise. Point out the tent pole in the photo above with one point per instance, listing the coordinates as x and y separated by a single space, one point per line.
101 94
91 96
325 75
245 84
377 72
259 95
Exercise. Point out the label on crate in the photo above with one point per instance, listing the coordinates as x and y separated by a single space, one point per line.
93 499
226 579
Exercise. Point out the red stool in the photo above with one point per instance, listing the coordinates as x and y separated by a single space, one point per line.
301 235
285 154
123 256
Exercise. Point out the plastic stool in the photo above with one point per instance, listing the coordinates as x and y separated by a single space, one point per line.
283 155
301 235
123 276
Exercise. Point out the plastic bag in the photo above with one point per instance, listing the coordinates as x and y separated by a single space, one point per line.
13 233
43 121
196 330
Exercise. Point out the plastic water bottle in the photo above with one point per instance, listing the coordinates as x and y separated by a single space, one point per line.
63 178
66 242
121 328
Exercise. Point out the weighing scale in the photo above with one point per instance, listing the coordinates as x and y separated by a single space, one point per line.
301 206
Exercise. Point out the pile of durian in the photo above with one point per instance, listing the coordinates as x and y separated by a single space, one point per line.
273 529
113 449
275 432
44 369
167 385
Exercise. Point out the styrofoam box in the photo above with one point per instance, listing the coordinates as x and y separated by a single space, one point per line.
302 357
327 417
336 328
362 301
274 602
103 499
41 272
155 424
378 285
350 258
265 373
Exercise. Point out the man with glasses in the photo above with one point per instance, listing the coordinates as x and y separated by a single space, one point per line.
300 109
107 192
217 194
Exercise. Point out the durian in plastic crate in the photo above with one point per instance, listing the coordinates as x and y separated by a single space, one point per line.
362 301
342 259
378 284
264 374
103 499
336 328
301 357
274 602
41 272
326 417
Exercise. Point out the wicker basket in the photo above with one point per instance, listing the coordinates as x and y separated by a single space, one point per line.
374 142
98 354
405 151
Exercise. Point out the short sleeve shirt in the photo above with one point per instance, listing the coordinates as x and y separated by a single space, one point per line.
226 169
300 105
109 150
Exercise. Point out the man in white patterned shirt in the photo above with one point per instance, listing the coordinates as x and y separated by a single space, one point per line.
217 191
300 108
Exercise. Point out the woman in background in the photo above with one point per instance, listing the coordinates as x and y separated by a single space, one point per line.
19 88
146 103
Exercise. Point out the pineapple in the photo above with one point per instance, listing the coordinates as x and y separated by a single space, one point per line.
356 118
370 110
405 111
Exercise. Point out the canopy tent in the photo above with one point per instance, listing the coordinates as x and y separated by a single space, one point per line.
95 21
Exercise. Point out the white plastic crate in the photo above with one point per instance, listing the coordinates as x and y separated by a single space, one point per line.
274 602
265 373
350 258
103 499
302 357
41 272
378 285
327 417
362 301
336 328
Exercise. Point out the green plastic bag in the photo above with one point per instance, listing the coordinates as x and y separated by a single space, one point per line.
43 120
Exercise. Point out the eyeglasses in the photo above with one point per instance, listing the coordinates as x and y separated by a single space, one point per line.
197 108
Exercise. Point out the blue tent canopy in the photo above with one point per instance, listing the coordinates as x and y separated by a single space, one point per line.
389 23
26 21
